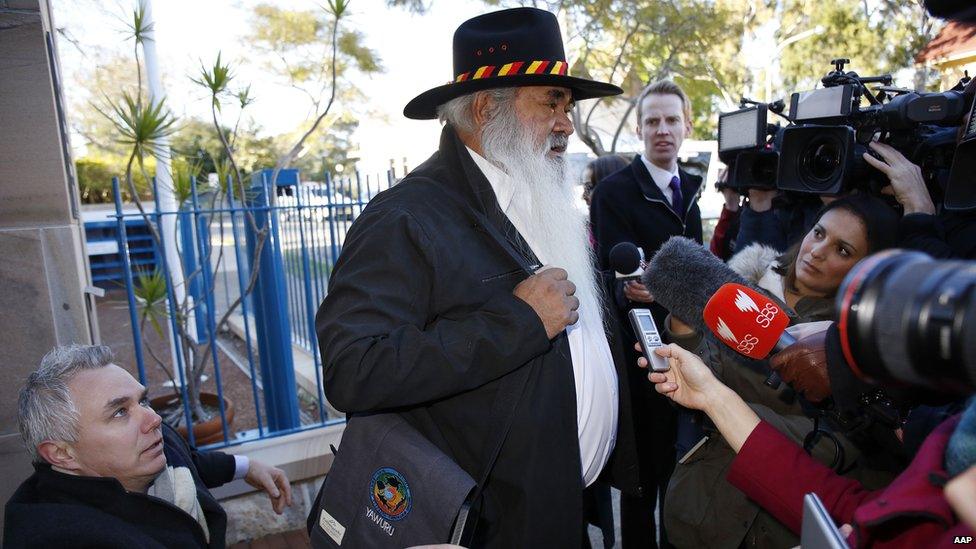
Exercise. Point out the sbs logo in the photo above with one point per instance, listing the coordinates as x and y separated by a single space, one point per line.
747 344
766 316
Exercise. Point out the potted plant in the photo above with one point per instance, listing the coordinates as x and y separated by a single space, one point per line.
143 126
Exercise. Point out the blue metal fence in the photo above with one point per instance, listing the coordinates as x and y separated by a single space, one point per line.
260 270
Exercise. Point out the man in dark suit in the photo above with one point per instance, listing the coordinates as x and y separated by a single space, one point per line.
475 270
647 203
108 472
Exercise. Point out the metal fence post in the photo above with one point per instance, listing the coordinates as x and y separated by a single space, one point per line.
271 316
188 251
330 212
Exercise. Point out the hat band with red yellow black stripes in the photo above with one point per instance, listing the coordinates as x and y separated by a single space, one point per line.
514 68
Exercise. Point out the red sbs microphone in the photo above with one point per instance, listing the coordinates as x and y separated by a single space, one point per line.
749 323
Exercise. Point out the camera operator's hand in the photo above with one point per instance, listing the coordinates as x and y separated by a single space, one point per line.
732 199
550 294
761 200
804 366
907 184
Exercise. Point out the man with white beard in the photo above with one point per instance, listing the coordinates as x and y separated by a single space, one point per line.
476 268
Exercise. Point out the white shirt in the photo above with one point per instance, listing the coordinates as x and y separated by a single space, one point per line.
661 178
593 369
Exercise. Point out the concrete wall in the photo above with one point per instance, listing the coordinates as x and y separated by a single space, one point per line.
43 269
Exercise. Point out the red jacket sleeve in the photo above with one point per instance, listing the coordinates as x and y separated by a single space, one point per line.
776 473
725 232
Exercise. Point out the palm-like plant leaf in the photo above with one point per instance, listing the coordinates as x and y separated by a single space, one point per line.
140 126
216 79
150 292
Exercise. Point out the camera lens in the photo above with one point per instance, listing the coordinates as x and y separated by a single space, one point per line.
905 317
825 160
821 162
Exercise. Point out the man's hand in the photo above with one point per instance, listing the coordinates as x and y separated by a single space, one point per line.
688 381
635 291
761 200
273 481
677 326
732 199
550 294
804 366
907 184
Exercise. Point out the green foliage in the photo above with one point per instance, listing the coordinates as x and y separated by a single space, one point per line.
95 175
296 45
364 59
182 170
699 44
140 126
419 7
138 28
216 80
196 140
150 293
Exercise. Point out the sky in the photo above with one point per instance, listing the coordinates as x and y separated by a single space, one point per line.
415 51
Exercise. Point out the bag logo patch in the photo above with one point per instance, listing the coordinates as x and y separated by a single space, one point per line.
391 494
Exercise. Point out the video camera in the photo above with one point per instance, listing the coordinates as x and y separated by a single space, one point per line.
820 150
748 144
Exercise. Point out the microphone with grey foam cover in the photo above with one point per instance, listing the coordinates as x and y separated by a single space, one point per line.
682 276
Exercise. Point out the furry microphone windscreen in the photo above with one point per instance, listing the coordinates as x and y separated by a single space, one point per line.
682 276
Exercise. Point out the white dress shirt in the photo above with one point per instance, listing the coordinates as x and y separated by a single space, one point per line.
662 178
593 369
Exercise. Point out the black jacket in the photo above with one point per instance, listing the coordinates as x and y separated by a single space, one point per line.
628 207
420 318
54 509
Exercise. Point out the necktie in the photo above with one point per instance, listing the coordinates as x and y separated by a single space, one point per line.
677 201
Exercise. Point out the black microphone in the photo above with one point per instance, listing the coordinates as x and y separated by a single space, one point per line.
682 276
627 261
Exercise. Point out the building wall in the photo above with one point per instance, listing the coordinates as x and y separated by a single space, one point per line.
43 269
952 70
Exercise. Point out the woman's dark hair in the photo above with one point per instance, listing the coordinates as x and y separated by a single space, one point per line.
878 219
601 168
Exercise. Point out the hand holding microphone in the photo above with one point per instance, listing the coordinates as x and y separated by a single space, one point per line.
804 366
550 293
627 262
749 323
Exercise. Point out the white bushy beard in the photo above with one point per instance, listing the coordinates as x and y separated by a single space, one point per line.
544 201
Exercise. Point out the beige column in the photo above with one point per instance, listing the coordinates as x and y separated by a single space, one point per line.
43 267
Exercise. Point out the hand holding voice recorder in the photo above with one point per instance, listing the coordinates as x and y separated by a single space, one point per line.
648 337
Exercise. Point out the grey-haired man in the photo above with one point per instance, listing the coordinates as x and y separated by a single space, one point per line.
108 471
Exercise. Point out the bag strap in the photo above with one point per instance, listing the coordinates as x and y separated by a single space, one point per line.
513 385
506 400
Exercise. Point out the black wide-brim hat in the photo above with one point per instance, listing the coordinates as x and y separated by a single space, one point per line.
508 48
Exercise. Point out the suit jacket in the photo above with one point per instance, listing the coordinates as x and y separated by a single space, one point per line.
420 318
54 509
